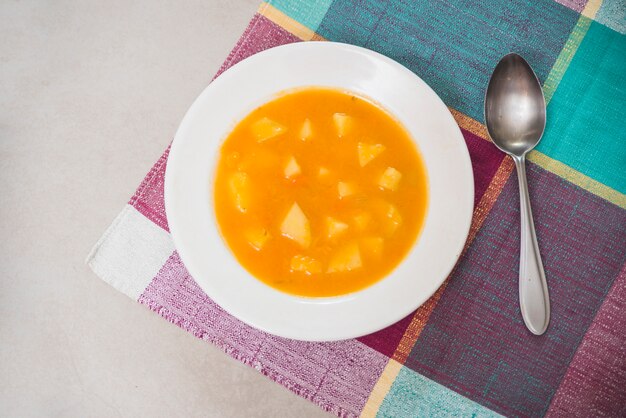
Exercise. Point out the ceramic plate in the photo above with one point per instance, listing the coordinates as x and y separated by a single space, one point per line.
258 79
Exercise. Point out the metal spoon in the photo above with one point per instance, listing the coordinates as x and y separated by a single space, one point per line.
515 115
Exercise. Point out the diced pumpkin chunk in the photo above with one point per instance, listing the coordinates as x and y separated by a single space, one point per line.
345 189
367 152
292 169
306 132
334 227
394 214
305 264
323 173
239 186
257 237
362 220
296 226
373 245
342 123
390 179
265 129
346 258
393 219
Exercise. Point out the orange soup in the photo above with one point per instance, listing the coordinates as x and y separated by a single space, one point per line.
320 192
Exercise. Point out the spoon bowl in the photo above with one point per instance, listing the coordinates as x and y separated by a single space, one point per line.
515 115
515 109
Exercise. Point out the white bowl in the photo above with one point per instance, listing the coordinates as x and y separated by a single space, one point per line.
189 190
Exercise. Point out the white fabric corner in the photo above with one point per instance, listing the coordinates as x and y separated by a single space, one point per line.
131 252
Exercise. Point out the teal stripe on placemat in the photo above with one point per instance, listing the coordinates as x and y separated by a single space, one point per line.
413 395
308 13
586 127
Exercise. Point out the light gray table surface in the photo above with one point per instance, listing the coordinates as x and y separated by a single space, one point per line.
91 93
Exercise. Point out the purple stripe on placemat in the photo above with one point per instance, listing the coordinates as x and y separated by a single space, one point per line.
261 34
486 160
148 198
595 383
577 5
337 376
386 340
475 341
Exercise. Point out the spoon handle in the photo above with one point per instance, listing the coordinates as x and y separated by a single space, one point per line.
533 288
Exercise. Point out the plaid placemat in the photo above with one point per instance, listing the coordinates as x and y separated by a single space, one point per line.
465 352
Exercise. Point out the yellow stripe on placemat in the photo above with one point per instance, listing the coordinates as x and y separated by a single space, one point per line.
418 322
565 57
579 179
489 198
290 25
591 8
381 389
469 124
569 49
